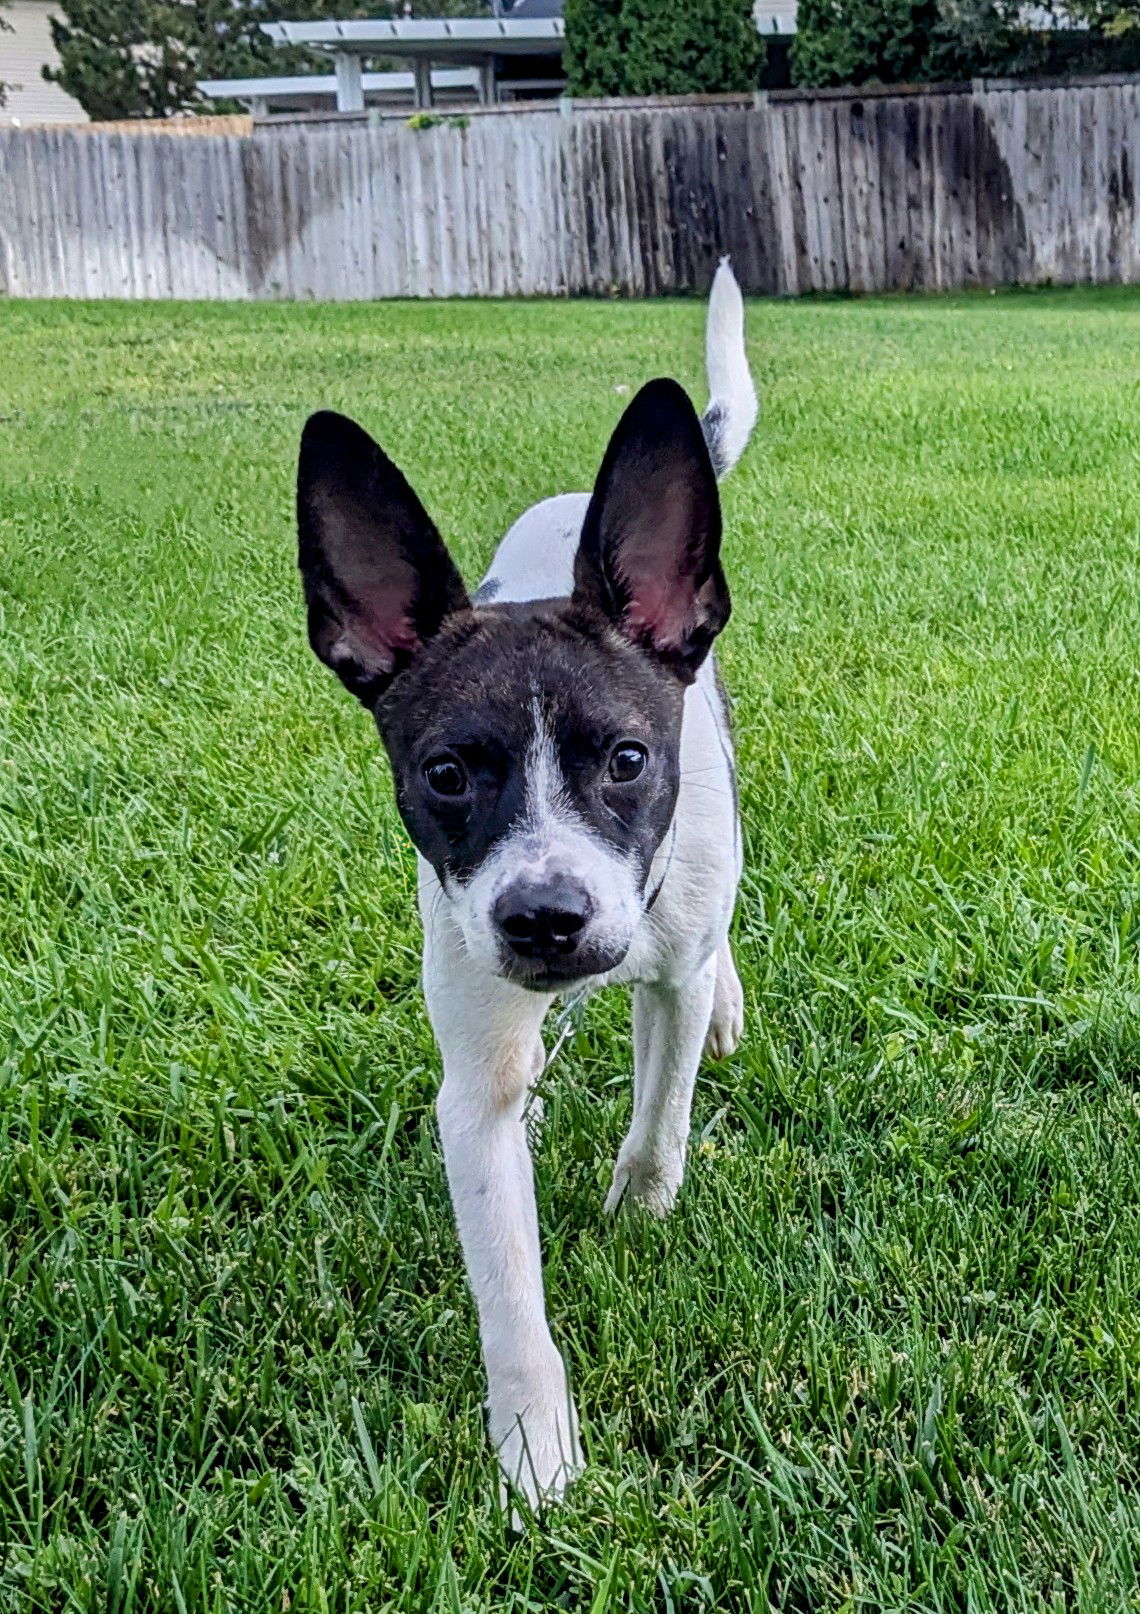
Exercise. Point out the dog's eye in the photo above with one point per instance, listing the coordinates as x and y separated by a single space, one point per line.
446 776
627 761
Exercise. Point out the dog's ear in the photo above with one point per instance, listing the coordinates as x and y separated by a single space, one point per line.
378 580
649 555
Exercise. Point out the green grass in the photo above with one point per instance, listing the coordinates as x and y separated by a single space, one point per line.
886 1354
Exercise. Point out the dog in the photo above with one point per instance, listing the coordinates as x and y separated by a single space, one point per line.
563 763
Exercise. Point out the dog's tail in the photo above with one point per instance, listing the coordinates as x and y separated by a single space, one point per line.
732 410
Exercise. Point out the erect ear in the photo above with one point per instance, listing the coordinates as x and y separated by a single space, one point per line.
649 555
378 579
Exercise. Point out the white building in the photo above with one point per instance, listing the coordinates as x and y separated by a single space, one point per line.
23 54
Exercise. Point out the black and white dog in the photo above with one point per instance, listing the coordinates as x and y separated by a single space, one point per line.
563 764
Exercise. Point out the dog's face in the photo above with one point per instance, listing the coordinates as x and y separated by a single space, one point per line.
535 756
535 746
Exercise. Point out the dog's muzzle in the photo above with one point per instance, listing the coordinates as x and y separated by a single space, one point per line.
543 928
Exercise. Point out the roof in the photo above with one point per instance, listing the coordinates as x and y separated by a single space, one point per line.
435 37
315 84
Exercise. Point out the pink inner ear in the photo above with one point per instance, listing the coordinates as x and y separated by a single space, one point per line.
652 540
384 629
658 611
379 585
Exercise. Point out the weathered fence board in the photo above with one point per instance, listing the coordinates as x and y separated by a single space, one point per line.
875 192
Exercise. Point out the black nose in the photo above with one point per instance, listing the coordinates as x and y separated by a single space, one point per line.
543 920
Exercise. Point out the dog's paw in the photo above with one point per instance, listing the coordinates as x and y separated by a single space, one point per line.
650 1180
538 1448
725 1033
726 1025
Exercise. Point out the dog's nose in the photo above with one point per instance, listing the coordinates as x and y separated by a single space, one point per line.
543 920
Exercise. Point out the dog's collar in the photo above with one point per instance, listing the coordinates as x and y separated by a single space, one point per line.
664 871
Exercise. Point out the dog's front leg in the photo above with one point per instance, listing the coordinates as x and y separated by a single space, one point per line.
488 1033
669 1027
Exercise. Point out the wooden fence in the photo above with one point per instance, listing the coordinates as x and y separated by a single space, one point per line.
977 185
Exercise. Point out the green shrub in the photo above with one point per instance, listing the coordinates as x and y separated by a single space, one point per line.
661 47
906 41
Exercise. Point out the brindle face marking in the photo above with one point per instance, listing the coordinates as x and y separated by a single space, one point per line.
535 746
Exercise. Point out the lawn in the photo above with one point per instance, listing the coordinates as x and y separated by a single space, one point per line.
886 1353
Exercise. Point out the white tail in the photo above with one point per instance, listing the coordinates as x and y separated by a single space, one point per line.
732 409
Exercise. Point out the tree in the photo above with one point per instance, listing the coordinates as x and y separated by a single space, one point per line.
906 41
661 47
1110 18
1110 43
123 58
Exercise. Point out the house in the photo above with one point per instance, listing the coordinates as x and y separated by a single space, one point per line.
516 53
24 52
